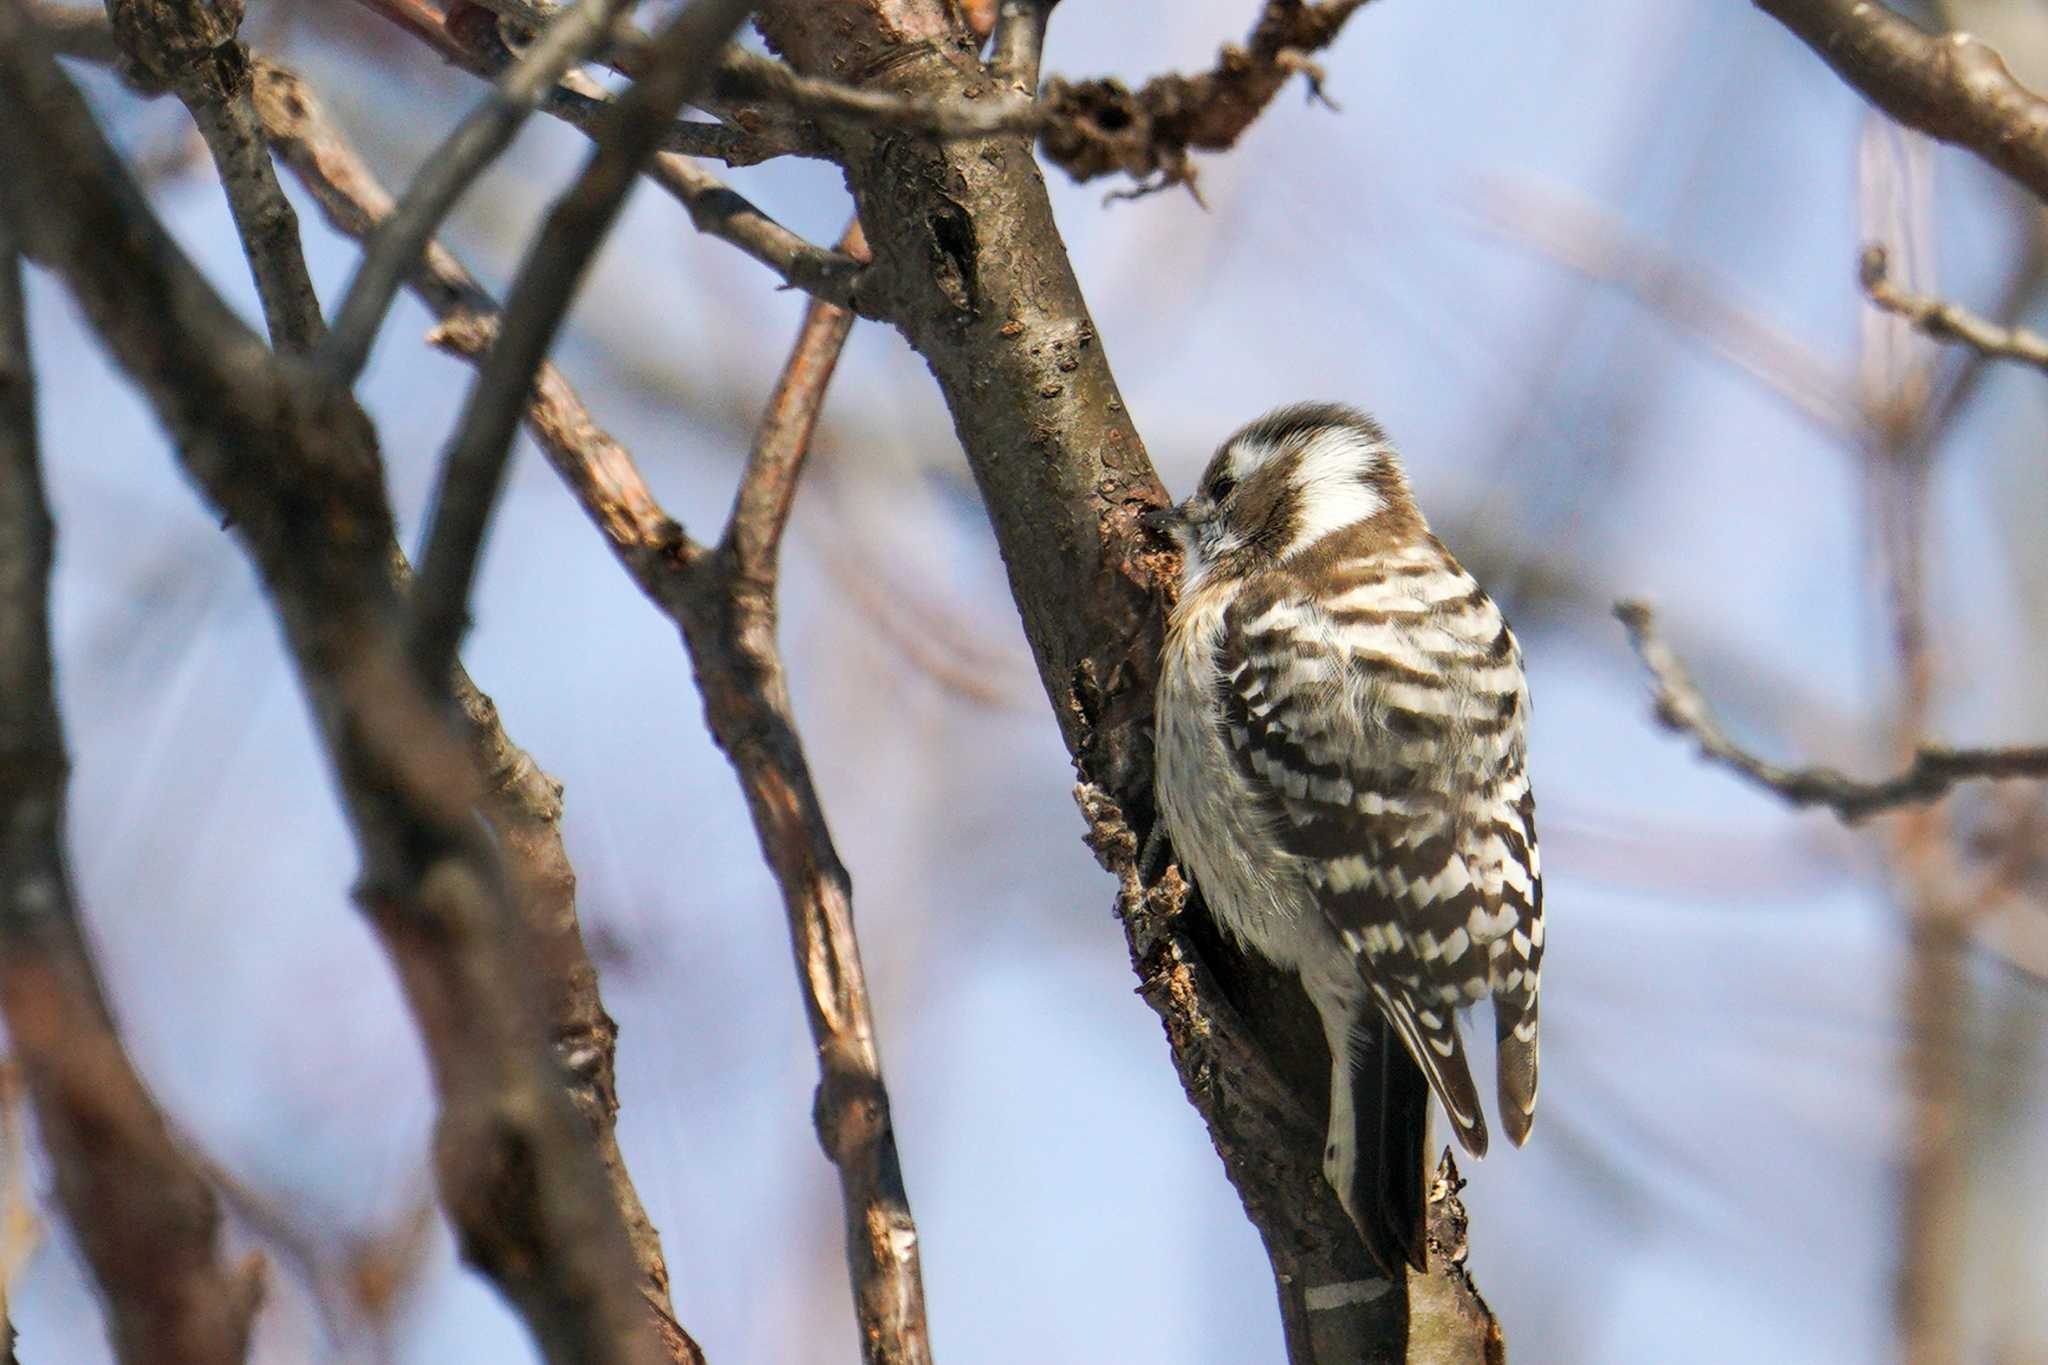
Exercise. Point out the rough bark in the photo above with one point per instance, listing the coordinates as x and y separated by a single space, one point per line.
970 267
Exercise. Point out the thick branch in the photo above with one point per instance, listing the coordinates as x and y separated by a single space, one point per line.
1946 321
476 142
1952 86
978 282
291 462
1681 708
190 47
144 1217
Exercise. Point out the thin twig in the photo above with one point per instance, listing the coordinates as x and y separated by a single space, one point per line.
476 142
715 208
190 48
472 472
1683 709
718 210
479 48
1020 42
144 1217
747 78
760 512
744 75
1946 321
1950 86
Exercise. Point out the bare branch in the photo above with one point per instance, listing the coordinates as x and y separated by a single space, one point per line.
1947 321
1952 86
727 611
1682 709
682 59
753 533
1099 127
142 1214
190 47
479 48
744 75
476 142
1020 42
289 459
979 283
723 600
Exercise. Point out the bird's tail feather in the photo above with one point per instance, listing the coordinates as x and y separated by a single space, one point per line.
1389 1193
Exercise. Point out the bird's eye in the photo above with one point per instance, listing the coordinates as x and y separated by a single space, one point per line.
1221 489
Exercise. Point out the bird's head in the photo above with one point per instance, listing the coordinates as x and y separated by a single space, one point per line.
1285 483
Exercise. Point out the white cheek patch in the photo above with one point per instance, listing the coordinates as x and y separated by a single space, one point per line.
1330 476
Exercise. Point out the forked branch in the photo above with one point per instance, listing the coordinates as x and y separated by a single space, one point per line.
1682 709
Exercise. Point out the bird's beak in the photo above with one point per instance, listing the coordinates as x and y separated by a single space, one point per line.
1163 521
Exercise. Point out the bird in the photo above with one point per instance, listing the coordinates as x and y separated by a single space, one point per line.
1340 736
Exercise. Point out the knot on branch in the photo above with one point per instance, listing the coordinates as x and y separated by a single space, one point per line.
183 45
850 1108
1099 127
487 1153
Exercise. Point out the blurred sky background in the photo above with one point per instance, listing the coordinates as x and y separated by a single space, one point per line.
1712 1177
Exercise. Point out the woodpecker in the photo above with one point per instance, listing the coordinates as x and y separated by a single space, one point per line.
1341 749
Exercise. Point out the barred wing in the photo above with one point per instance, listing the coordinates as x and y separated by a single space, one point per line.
1387 746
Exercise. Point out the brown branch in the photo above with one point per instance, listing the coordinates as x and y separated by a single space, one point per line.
723 601
144 1217
189 47
680 61
1951 86
1099 127
727 610
972 271
287 458
715 209
521 801
1946 321
476 142
1682 709
467 36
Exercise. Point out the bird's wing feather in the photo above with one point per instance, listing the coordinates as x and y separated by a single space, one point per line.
1373 838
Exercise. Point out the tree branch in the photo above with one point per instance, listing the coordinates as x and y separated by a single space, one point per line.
1681 708
1952 86
476 142
723 601
287 457
1946 321
1099 127
680 62
467 36
143 1216
972 271
190 48
669 567
715 209
1020 42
